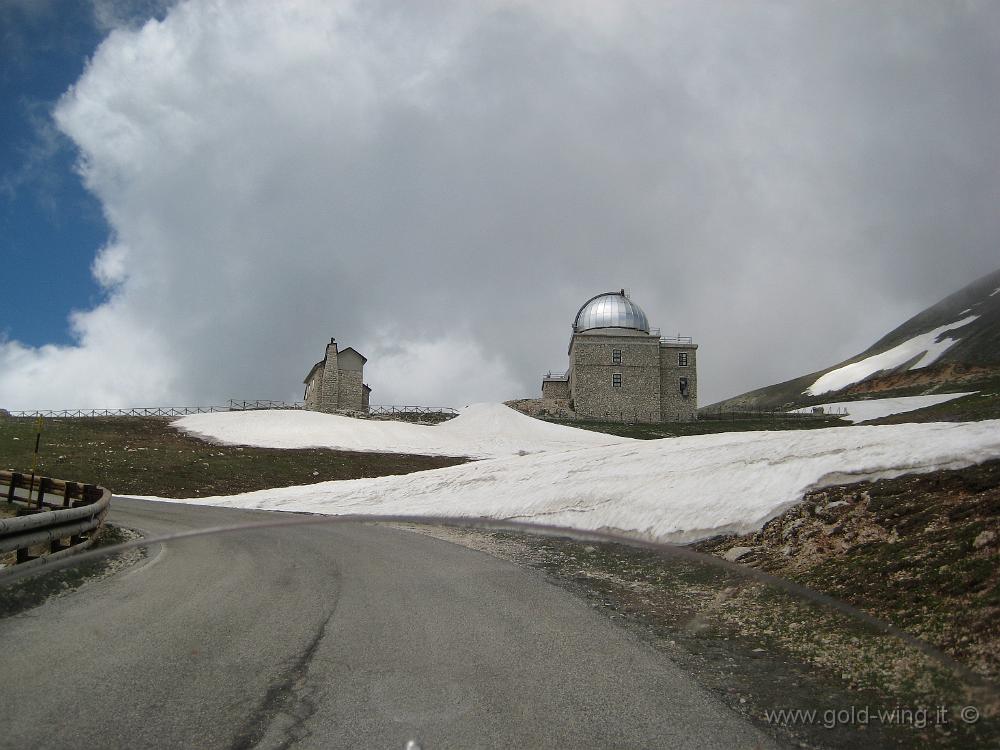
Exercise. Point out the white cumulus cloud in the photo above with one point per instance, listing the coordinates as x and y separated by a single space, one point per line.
441 185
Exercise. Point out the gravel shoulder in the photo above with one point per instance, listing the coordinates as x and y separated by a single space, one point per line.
28 593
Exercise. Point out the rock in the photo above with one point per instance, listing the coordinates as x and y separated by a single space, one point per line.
736 553
984 538
787 532
589 548
824 511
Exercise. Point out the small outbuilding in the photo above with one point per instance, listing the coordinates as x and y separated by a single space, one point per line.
336 383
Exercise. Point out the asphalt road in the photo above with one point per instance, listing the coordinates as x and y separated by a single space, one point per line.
348 636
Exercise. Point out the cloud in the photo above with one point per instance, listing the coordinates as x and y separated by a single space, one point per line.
441 185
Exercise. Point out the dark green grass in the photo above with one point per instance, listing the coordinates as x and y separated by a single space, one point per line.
702 426
982 405
145 456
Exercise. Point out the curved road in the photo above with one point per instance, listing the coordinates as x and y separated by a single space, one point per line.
346 636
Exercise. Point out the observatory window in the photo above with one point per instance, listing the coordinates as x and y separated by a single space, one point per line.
682 385
682 359
616 380
616 357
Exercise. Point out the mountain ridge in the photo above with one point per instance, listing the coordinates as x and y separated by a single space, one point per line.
893 362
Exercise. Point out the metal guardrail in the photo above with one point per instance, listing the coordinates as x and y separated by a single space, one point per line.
76 519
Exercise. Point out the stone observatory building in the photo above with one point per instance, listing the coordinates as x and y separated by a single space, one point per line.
336 383
620 370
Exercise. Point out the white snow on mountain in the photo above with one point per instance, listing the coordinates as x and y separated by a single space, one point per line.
479 431
876 408
675 489
926 344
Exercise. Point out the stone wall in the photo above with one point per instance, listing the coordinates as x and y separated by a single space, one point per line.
351 394
314 386
675 406
556 390
593 368
329 394
541 407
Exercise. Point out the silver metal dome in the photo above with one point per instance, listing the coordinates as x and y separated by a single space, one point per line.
610 310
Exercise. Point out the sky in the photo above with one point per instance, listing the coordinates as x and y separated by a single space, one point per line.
195 196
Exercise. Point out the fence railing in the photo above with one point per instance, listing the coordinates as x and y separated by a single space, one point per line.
234 405
737 413
142 411
389 409
678 339
61 528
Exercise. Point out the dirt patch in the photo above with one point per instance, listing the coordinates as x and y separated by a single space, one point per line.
25 594
950 374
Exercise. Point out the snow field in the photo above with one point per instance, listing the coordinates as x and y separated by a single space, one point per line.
479 431
876 408
678 489
926 344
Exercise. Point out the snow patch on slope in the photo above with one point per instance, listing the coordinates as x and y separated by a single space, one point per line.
479 431
926 344
677 489
876 408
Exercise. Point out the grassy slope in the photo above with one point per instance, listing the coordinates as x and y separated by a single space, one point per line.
145 456
919 551
700 427
982 405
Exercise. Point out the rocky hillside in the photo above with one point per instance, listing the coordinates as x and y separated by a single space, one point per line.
953 343
919 551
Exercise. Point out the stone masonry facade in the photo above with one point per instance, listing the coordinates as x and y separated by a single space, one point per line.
336 383
555 389
620 371
598 394
678 382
